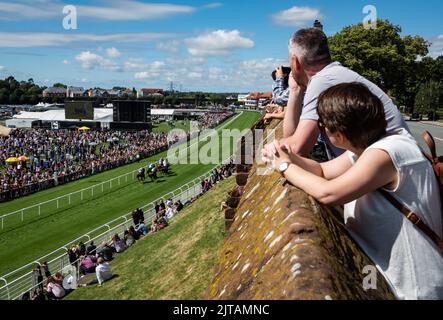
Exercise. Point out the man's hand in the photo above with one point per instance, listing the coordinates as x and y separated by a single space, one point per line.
295 84
279 72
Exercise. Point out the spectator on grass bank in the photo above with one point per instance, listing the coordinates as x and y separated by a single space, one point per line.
90 249
169 213
103 271
46 269
119 244
134 233
142 229
178 206
105 252
154 226
38 276
73 256
54 289
38 295
87 265
129 239
81 249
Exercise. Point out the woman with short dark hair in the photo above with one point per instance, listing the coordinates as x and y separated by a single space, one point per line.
353 118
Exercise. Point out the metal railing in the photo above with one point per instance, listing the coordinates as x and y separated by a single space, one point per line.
22 280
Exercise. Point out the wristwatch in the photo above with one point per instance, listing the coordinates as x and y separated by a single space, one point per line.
283 167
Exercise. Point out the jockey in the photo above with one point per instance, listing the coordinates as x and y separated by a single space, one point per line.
165 163
151 166
141 170
160 162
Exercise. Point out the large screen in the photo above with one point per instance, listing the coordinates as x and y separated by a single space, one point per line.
82 110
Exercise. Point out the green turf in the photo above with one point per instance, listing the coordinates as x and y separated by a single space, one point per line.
167 126
176 263
23 242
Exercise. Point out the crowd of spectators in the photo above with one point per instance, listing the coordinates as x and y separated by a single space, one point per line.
59 156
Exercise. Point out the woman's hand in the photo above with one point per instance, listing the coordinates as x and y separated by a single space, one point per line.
282 154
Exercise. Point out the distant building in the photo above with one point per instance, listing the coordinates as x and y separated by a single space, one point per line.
257 99
75 92
54 92
242 97
118 93
98 93
145 93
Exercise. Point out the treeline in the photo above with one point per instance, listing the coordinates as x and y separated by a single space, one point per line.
398 64
23 92
27 92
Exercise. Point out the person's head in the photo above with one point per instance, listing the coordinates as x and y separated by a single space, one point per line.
100 260
116 238
351 115
308 53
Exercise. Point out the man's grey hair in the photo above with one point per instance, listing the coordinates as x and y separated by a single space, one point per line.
311 47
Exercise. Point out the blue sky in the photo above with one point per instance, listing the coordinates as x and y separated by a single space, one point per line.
201 45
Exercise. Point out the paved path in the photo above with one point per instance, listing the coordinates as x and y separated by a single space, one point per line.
436 129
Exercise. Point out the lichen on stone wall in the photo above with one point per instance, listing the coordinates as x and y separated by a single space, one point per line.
283 245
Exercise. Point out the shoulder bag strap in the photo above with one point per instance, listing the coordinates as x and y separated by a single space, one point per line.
411 216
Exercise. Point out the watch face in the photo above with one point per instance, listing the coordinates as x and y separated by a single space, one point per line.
283 167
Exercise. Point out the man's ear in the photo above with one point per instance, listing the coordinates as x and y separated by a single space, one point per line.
297 63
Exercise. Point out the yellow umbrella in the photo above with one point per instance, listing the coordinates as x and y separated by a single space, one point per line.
12 160
84 129
23 158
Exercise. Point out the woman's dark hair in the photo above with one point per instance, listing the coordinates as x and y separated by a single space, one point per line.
353 110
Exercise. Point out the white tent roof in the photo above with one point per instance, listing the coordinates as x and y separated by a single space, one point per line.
162 112
100 114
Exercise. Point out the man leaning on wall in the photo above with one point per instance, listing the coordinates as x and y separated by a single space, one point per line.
313 72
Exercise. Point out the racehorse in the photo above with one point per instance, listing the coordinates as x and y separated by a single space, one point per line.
152 174
163 169
141 175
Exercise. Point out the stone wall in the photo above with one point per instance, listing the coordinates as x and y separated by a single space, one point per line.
282 244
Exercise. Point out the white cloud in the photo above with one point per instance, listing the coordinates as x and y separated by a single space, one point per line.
90 60
217 43
48 39
113 52
297 16
2 68
66 62
170 46
216 73
195 75
256 66
83 80
436 49
213 5
114 10
153 70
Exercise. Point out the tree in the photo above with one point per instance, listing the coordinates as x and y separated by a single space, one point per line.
428 98
59 85
383 56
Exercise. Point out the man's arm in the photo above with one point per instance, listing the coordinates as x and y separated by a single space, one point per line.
303 140
293 111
